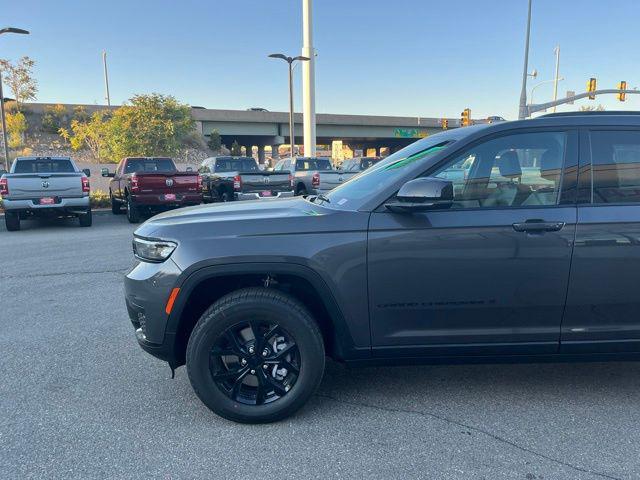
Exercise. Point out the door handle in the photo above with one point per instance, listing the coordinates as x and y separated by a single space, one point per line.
538 226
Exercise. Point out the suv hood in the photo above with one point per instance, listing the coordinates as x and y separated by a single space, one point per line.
246 218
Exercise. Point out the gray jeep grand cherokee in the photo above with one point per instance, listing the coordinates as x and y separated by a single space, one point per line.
516 241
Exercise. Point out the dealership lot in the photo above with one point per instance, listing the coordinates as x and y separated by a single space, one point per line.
79 398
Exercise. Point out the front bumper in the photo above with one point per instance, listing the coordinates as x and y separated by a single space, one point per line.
32 205
147 289
258 196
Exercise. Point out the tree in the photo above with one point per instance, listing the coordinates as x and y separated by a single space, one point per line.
16 126
92 134
236 150
215 141
150 125
19 77
53 118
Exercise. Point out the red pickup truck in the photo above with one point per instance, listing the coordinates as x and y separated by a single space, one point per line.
151 184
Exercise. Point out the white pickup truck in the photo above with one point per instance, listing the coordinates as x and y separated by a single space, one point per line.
45 186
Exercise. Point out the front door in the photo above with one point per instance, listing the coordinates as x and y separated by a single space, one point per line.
490 274
603 304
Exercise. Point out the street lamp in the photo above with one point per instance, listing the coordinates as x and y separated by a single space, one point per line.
4 122
555 80
290 61
523 93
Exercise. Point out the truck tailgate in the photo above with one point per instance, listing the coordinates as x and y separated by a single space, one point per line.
36 185
170 182
331 180
265 181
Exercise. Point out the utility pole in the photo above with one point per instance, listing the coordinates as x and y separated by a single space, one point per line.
107 97
4 128
523 93
308 80
556 76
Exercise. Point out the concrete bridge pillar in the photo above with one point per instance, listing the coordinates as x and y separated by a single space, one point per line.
274 152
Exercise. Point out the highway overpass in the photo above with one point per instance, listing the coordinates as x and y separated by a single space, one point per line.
259 129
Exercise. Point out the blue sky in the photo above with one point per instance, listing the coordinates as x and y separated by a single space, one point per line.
419 58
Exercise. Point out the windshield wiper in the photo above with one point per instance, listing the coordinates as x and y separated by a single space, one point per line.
322 197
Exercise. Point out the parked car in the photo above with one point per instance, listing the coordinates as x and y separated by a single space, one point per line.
144 185
305 172
400 266
239 178
349 169
45 186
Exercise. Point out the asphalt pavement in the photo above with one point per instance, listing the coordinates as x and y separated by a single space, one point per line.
80 399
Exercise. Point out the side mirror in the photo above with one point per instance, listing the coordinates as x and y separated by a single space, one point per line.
106 173
189 169
86 171
420 194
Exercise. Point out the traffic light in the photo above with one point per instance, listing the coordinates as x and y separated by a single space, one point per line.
591 87
622 86
465 118
445 123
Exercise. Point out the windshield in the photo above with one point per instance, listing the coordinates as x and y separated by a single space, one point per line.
44 166
384 172
151 165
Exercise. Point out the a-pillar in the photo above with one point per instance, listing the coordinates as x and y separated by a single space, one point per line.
261 154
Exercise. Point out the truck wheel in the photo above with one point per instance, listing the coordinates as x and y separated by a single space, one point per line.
116 208
85 218
12 221
133 214
301 190
225 197
255 356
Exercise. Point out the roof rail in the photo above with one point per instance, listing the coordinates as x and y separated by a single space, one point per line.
590 112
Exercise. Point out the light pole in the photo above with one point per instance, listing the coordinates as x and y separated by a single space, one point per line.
107 97
4 122
522 111
308 80
556 77
290 61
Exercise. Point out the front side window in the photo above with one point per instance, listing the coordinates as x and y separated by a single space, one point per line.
615 157
517 170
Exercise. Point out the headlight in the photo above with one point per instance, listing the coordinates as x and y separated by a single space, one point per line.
152 250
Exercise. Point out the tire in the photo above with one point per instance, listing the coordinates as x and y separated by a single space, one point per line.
116 208
133 214
225 197
12 221
301 190
269 311
85 218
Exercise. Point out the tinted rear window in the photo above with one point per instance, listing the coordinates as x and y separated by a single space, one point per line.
150 165
313 164
44 166
236 165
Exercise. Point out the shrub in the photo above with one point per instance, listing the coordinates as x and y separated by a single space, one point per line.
53 118
99 199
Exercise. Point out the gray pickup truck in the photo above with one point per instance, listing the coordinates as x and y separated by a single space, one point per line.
45 186
349 169
238 178
305 173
